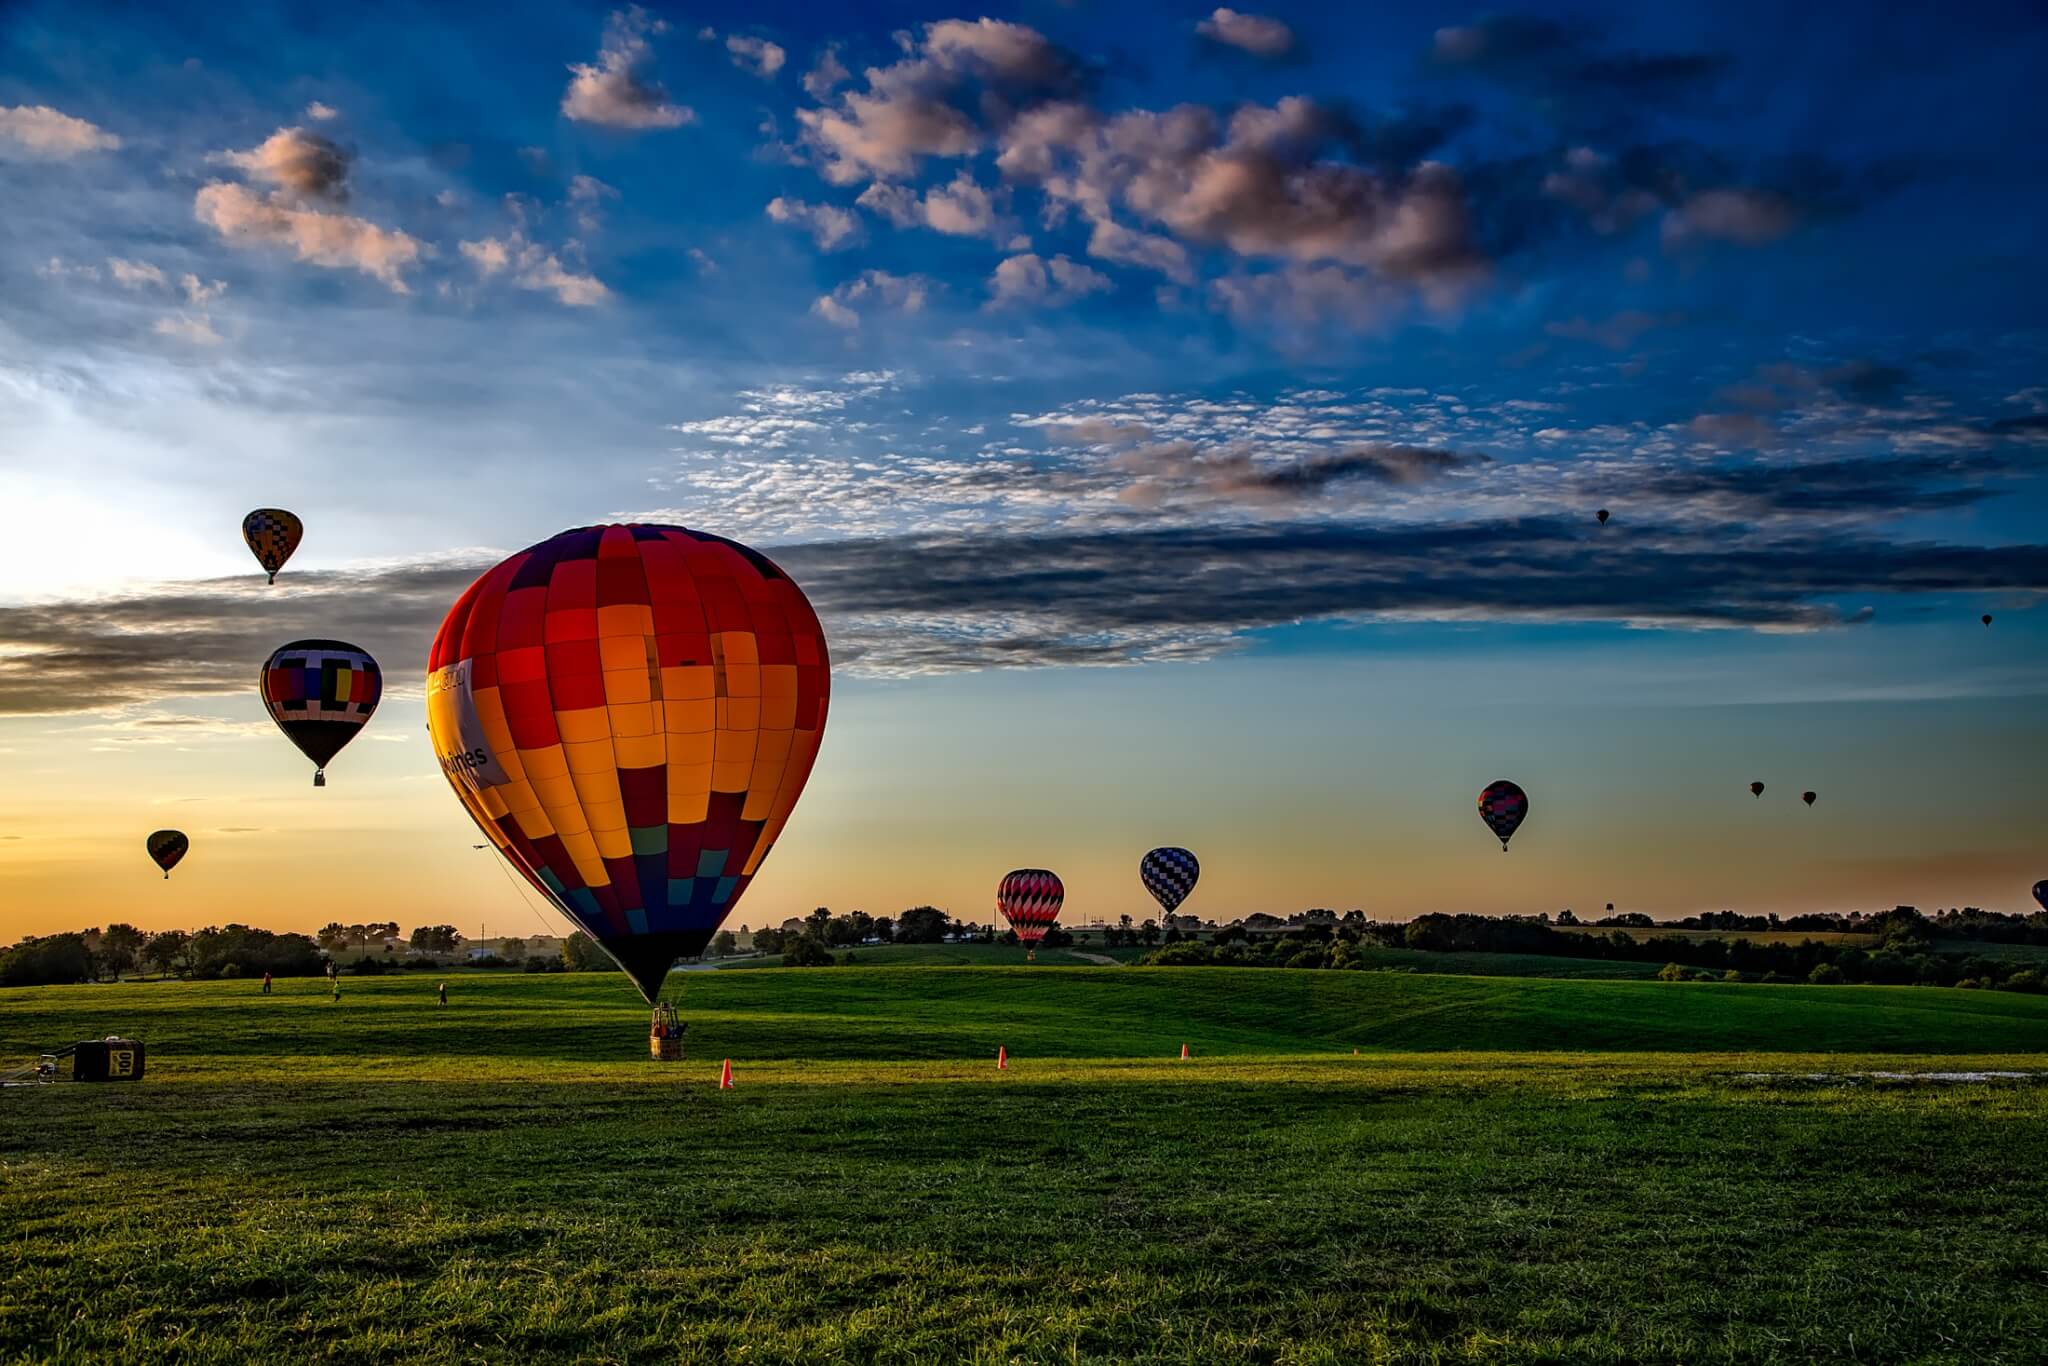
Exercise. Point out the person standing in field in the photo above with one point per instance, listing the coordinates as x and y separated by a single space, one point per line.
336 979
443 989
266 984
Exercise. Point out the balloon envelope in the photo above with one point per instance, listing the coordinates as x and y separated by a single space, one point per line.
1503 806
2041 893
1169 874
321 693
167 847
1602 515
1030 899
629 714
273 534
1809 797
1756 789
1987 618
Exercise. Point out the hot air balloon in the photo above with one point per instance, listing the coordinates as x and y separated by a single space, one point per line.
321 693
1987 618
1602 515
2041 893
273 534
1169 874
1502 806
1809 797
1030 899
167 847
1756 789
629 713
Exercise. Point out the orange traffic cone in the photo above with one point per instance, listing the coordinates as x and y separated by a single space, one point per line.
1183 1052
1002 1058
725 1076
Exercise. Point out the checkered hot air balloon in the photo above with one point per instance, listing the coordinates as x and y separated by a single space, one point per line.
1503 806
273 534
1169 874
1030 899
321 693
166 847
629 714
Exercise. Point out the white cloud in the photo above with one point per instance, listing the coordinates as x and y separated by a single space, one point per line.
195 328
826 75
829 225
1031 279
321 113
756 55
906 293
199 292
1253 33
618 91
334 240
304 163
44 132
135 274
534 267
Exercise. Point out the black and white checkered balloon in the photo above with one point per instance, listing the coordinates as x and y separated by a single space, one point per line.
1169 874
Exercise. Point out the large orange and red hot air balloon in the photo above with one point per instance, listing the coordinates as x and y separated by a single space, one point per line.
1030 899
629 713
273 534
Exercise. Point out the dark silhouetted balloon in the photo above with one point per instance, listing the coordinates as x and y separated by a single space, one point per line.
167 847
1169 874
1756 789
629 714
273 534
2041 893
321 693
1030 899
1503 806
1809 797
1602 515
1987 619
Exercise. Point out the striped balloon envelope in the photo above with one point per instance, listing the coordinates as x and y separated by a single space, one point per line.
629 714
1030 899
166 847
321 693
1169 874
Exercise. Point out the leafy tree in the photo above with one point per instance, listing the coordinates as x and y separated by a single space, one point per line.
818 924
331 936
768 939
168 951
435 938
51 960
1825 975
581 954
514 950
724 945
120 948
251 952
922 925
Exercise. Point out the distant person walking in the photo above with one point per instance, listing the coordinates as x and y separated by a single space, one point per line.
266 984
443 989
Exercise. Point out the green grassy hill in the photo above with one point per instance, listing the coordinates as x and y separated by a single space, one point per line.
936 1013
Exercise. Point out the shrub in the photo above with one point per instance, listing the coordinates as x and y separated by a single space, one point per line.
1733 975
1825 975
802 951
2026 979
1671 972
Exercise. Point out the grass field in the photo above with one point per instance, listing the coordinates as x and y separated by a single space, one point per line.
1091 955
1753 936
1510 1169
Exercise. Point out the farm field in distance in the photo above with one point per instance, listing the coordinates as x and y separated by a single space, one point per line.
1510 1169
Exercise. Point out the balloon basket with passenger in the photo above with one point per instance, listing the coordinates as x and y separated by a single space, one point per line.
665 1034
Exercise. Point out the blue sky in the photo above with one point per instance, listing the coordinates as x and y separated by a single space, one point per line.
1279 359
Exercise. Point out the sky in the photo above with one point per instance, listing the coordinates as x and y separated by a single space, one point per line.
1189 424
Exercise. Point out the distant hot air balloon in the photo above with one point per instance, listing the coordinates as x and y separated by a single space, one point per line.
1502 806
320 693
1809 797
629 714
1030 899
2041 893
1602 515
1756 789
1987 619
167 847
273 534
1169 874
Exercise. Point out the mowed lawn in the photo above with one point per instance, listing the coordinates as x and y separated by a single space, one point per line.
1508 1170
